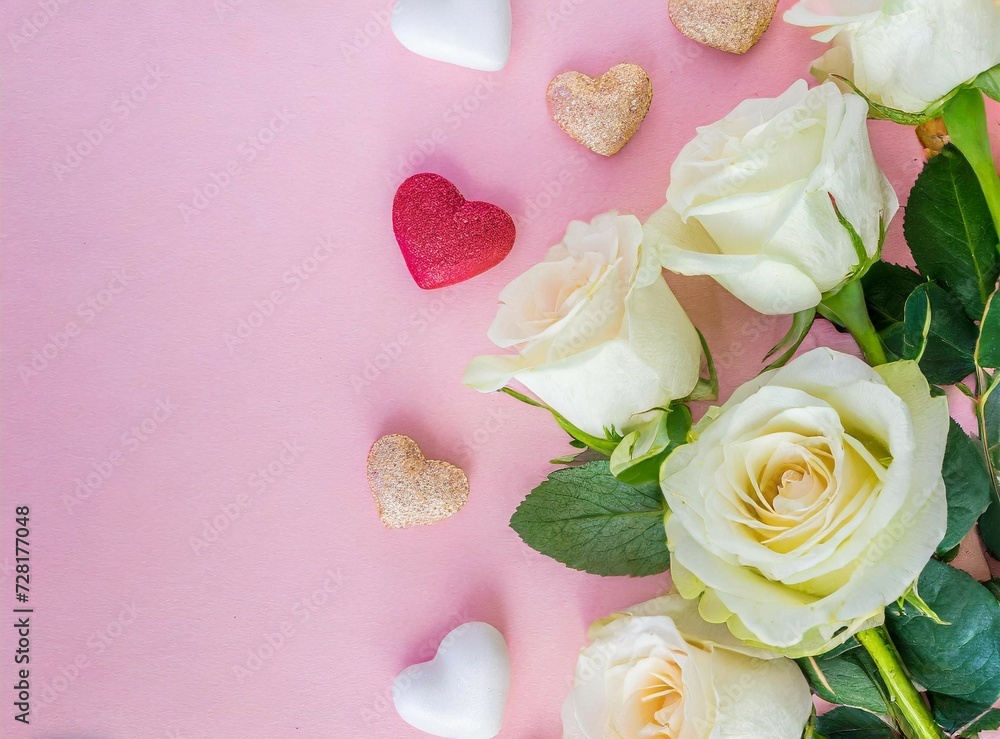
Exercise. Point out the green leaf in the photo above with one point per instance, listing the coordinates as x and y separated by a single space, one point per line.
950 231
707 388
962 718
887 286
801 323
960 658
853 723
638 457
590 520
989 524
988 721
604 446
845 679
968 485
860 250
938 335
989 82
988 346
892 340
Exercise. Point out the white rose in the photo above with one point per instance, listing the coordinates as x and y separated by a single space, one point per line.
905 54
750 200
809 501
660 670
601 338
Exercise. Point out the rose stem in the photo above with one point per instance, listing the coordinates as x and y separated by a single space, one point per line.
847 308
965 119
921 724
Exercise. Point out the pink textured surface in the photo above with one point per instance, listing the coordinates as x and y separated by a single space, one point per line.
221 325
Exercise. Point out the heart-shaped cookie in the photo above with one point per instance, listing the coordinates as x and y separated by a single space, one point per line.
601 114
462 692
445 238
729 25
408 488
470 34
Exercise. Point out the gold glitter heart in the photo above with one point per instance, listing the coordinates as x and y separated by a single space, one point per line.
408 488
729 25
601 114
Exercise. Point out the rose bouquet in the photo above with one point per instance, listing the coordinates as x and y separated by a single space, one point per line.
807 521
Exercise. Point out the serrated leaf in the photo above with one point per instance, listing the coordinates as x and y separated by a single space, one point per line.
590 520
968 486
988 346
887 286
845 679
960 658
938 335
853 723
950 231
988 721
962 718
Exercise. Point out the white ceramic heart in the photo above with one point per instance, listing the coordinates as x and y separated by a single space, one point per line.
462 692
469 33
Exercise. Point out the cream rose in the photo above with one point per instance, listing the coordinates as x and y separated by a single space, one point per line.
750 200
660 671
600 336
809 501
905 54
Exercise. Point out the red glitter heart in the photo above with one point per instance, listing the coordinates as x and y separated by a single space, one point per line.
446 239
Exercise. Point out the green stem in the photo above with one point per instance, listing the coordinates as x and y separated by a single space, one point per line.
920 722
965 119
847 308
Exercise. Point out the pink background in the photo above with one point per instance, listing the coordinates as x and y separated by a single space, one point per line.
129 269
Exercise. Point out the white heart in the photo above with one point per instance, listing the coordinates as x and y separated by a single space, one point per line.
469 33
462 692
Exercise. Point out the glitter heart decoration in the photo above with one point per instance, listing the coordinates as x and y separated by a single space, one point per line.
408 488
728 25
444 238
603 113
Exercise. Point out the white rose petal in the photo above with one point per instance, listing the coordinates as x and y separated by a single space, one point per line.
751 199
600 336
660 670
905 54
809 501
